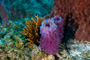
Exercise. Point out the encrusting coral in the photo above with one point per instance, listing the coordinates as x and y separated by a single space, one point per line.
32 30
10 51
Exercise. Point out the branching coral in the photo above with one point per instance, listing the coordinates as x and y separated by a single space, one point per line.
32 30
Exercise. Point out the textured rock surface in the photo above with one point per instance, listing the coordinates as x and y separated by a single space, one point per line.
78 50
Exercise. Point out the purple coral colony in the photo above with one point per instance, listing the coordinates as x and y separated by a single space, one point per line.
51 34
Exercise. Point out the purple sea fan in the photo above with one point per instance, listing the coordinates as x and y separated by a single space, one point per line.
49 41
59 22
4 8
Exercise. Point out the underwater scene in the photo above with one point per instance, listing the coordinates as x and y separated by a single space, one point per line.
44 29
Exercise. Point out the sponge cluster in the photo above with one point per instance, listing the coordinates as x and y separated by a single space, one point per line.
51 34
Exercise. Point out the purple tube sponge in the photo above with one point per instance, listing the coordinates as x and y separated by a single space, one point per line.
59 22
51 34
49 41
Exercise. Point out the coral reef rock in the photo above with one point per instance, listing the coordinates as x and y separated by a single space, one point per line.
79 50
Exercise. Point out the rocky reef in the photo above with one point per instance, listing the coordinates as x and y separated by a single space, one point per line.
14 45
78 50
35 38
